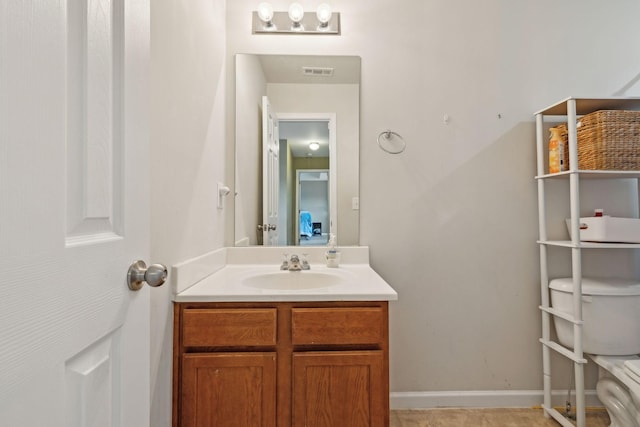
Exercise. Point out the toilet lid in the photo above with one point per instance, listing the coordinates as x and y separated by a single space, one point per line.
596 286
632 369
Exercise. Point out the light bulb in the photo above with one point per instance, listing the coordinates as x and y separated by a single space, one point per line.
296 13
313 146
265 12
324 14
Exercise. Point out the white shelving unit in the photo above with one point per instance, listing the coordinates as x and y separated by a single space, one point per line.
569 110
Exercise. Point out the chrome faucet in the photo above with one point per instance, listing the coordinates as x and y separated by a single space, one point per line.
294 263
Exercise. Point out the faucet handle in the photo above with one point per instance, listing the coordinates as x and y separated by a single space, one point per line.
305 262
285 262
295 258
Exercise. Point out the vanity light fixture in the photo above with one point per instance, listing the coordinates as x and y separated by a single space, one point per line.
295 20
313 146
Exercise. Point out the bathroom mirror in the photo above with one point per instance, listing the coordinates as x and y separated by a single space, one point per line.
297 149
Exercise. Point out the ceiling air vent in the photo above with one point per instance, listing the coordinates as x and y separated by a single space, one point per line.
317 71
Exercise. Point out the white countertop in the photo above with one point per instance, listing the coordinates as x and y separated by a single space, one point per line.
358 282
234 280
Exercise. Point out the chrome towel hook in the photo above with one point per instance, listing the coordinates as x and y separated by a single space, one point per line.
388 136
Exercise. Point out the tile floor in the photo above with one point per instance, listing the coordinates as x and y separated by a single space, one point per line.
508 417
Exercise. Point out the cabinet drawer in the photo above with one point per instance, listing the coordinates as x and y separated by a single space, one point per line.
338 326
229 327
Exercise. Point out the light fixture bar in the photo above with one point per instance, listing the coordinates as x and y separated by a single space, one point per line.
281 24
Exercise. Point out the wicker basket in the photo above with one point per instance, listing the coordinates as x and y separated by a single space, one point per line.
607 140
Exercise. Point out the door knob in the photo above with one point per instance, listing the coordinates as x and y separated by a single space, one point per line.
155 275
267 227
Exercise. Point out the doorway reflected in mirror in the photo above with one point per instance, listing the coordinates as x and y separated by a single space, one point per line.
295 97
313 206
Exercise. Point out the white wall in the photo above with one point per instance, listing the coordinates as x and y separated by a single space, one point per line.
452 222
188 157
248 93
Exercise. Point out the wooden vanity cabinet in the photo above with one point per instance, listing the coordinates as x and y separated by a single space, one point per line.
281 364
226 360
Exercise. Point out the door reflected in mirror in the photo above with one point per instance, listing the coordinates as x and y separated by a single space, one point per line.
297 148
312 199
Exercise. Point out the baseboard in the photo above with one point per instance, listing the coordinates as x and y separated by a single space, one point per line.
483 399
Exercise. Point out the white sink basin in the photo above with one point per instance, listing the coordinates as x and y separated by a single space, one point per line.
252 274
292 280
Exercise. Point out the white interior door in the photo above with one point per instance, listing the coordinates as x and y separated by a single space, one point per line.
270 174
73 212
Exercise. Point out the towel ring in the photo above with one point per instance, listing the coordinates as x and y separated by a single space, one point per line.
387 135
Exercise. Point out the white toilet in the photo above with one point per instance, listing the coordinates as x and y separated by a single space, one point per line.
611 337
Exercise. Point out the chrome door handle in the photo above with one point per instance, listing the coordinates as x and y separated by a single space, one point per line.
155 275
267 227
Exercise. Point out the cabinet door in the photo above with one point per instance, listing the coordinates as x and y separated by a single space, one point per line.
228 389
341 388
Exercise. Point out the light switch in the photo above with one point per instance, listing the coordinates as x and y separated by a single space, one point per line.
355 203
223 190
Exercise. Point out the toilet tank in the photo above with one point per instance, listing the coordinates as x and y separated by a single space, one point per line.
610 311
